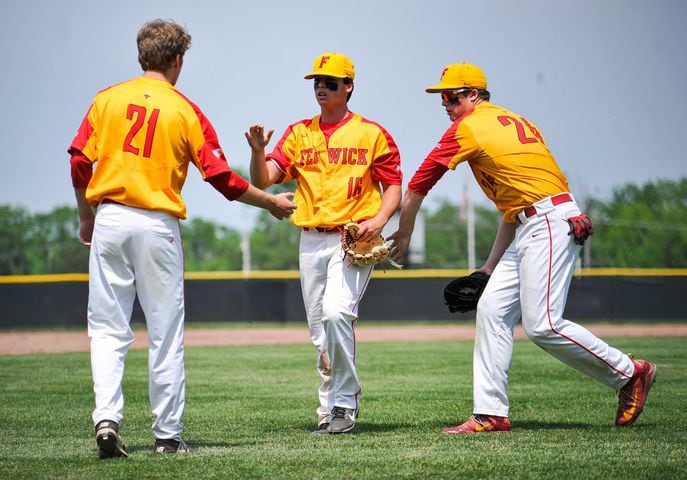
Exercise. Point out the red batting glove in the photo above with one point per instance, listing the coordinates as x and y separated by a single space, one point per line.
580 228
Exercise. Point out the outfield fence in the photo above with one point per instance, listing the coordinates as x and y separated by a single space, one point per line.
275 296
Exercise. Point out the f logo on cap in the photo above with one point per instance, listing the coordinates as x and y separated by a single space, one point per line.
460 75
332 64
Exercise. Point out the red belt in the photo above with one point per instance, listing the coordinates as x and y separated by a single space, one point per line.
337 229
555 200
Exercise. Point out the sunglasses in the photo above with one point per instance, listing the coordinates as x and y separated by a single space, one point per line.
450 97
331 85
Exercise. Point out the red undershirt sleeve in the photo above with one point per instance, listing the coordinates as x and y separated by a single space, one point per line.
426 176
230 184
437 162
82 169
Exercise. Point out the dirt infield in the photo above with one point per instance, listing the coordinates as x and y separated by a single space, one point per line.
22 343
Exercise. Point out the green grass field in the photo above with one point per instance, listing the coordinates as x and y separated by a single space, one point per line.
250 411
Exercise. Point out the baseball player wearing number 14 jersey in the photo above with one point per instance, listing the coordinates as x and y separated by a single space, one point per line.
348 170
533 257
142 135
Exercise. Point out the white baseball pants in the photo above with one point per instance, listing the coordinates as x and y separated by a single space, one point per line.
332 290
137 252
531 282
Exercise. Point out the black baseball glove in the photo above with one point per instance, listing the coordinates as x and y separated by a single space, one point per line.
462 294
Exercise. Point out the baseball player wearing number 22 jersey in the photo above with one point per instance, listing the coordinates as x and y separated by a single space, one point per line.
533 256
142 135
348 170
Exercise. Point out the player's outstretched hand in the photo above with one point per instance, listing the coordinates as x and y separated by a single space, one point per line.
257 138
398 243
282 206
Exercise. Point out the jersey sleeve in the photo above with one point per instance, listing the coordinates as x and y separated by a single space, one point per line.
387 167
283 152
455 146
436 164
206 151
82 134
426 176
81 165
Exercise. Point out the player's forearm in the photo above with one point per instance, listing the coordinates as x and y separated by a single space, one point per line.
259 172
257 198
86 217
390 201
83 207
504 237
279 205
409 209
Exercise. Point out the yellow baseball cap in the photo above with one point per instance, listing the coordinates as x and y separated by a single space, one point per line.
332 64
460 75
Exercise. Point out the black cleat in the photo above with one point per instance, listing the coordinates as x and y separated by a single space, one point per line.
171 446
110 443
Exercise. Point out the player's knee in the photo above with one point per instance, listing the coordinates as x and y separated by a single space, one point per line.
539 333
332 316
487 308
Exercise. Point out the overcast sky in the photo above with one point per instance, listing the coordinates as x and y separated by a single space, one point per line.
604 80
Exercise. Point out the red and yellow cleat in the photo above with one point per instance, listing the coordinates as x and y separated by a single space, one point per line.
481 423
633 395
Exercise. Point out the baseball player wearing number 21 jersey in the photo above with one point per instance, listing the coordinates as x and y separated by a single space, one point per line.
533 256
348 170
142 135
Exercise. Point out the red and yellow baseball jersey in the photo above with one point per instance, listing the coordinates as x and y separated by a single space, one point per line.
141 135
507 154
339 169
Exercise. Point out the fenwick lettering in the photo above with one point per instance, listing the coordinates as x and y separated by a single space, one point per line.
345 156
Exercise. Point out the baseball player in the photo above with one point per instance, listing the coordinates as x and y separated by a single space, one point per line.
533 256
347 169
143 134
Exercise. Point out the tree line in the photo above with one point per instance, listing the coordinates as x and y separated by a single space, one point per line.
640 226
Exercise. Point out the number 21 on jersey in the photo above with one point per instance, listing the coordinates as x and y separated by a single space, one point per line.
138 114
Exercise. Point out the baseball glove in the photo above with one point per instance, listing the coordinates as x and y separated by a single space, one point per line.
364 253
462 294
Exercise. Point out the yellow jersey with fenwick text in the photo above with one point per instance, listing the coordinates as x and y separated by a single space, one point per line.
507 154
141 135
340 169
